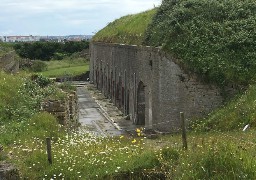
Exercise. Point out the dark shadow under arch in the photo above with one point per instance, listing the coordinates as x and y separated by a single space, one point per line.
141 104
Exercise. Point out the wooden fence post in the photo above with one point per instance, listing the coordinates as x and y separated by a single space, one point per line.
184 134
49 149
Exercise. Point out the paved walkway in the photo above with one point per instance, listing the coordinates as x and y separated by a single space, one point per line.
90 115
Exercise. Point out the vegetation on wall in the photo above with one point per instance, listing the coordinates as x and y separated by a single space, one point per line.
216 39
49 50
126 30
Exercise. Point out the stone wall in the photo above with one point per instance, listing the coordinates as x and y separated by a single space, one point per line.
8 172
9 63
66 111
150 86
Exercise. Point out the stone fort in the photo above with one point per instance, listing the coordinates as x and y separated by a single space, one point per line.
150 86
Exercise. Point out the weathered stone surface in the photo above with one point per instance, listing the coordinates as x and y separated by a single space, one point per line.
66 111
150 86
9 63
8 172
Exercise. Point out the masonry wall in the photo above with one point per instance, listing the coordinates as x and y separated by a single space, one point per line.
145 83
66 111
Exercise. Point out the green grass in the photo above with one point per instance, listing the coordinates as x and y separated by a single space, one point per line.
65 67
210 155
127 30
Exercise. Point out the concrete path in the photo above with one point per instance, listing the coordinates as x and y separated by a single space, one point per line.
90 115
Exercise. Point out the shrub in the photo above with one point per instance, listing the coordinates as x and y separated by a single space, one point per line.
215 39
38 66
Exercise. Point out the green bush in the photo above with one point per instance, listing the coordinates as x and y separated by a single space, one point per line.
38 66
41 80
48 50
215 39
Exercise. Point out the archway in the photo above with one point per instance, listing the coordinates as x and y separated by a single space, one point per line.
141 104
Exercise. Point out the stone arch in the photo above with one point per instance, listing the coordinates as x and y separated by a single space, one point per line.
141 102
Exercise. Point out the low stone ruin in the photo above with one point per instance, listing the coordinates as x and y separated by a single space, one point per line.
9 63
66 111
8 172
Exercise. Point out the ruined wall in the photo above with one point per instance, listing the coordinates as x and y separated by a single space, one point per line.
9 63
8 172
150 86
66 111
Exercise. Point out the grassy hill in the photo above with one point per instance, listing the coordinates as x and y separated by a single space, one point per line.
127 30
216 39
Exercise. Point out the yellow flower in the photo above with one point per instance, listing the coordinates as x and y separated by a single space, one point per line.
134 141
138 130
121 137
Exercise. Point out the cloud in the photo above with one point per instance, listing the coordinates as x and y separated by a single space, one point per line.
85 15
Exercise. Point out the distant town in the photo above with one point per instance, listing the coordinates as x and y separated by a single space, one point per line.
31 38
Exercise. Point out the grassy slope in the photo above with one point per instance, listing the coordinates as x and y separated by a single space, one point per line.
216 39
128 30
66 67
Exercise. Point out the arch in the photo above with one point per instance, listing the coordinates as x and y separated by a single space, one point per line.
141 104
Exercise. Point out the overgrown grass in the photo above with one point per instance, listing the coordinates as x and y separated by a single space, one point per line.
84 156
126 30
211 155
215 39
66 67
20 99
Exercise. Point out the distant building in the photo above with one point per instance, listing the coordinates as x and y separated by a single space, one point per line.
21 38
45 38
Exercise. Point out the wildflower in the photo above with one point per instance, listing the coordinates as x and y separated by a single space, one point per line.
121 137
134 141
138 130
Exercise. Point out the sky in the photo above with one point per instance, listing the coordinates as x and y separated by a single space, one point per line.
64 17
